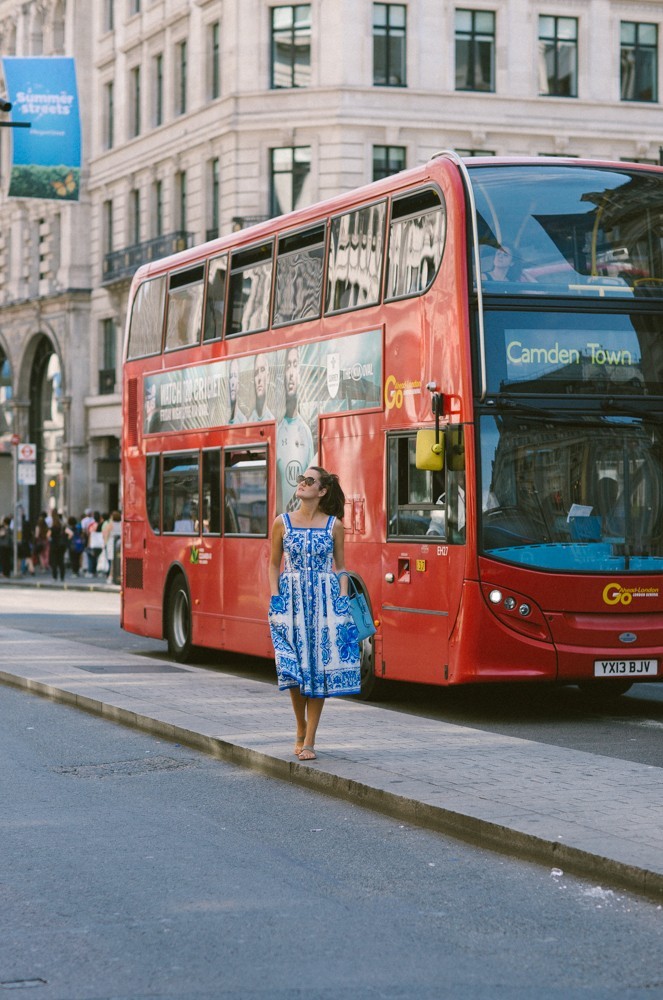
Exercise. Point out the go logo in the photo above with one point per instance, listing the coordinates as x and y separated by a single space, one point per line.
393 393
614 593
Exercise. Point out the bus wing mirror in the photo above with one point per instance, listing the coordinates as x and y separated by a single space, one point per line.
430 450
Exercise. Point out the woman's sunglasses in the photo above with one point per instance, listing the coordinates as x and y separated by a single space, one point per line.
307 480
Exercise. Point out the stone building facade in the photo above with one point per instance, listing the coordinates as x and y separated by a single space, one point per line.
201 115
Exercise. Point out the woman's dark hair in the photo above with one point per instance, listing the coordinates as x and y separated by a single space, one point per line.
333 501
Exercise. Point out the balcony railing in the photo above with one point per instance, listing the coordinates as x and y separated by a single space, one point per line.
121 264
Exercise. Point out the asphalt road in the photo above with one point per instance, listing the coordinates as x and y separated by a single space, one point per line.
136 868
630 728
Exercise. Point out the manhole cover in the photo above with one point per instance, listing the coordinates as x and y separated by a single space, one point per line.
125 768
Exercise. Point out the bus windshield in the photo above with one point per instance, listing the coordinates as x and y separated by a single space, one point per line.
572 231
572 493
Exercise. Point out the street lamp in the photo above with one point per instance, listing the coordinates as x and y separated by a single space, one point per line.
7 106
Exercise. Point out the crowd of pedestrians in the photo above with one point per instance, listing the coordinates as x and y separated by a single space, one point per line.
55 545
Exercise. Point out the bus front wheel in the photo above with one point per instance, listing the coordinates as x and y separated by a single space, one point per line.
370 684
178 621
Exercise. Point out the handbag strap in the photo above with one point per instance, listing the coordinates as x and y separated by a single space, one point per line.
352 586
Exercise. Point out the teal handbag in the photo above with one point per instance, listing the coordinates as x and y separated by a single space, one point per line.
359 609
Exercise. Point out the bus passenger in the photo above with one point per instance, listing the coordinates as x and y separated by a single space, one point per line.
502 266
261 385
315 639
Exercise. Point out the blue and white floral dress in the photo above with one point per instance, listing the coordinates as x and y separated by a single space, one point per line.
315 640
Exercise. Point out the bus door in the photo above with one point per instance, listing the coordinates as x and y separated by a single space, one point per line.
415 569
245 507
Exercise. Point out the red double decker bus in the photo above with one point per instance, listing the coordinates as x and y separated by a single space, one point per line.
476 347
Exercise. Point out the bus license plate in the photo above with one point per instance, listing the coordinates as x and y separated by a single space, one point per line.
620 668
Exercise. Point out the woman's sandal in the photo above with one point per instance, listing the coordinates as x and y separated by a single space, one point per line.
299 745
308 753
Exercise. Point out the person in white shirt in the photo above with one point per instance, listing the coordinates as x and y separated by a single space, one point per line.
294 441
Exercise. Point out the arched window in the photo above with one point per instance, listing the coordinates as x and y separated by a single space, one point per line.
47 429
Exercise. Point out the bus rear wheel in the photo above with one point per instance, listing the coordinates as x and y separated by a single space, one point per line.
178 621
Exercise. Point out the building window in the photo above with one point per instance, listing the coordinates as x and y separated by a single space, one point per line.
157 69
639 61
180 199
214 60
109 115
107 227
558 56
289 176
134 217
475 152
475 50
134 7
387 160
157 208
389 45
134 123
181 79
109 15
214 187
107 372
291 46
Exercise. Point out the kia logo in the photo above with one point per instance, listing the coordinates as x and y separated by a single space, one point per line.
628 637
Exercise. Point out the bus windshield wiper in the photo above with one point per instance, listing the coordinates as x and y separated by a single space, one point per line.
542 412
633 408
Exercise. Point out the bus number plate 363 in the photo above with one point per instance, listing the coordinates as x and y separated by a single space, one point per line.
625 668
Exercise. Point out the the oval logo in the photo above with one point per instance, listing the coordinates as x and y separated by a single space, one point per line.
628 637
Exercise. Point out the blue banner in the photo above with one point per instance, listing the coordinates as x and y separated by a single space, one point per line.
46 162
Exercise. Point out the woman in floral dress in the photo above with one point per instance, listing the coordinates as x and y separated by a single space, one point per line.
316 643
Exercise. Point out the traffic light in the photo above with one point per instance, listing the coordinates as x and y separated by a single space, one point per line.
5 105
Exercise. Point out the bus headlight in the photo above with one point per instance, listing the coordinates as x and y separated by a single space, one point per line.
517 612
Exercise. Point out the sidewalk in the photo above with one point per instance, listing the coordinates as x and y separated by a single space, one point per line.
70 582
591 815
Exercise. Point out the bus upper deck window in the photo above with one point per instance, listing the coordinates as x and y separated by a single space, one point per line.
355 259
416 243
146 325
217 273
250 290
185 306
299 268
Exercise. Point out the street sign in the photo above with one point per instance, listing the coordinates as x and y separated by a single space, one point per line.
27 452
27 473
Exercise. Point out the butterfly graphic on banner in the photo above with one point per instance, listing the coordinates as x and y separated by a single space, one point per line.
65 186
